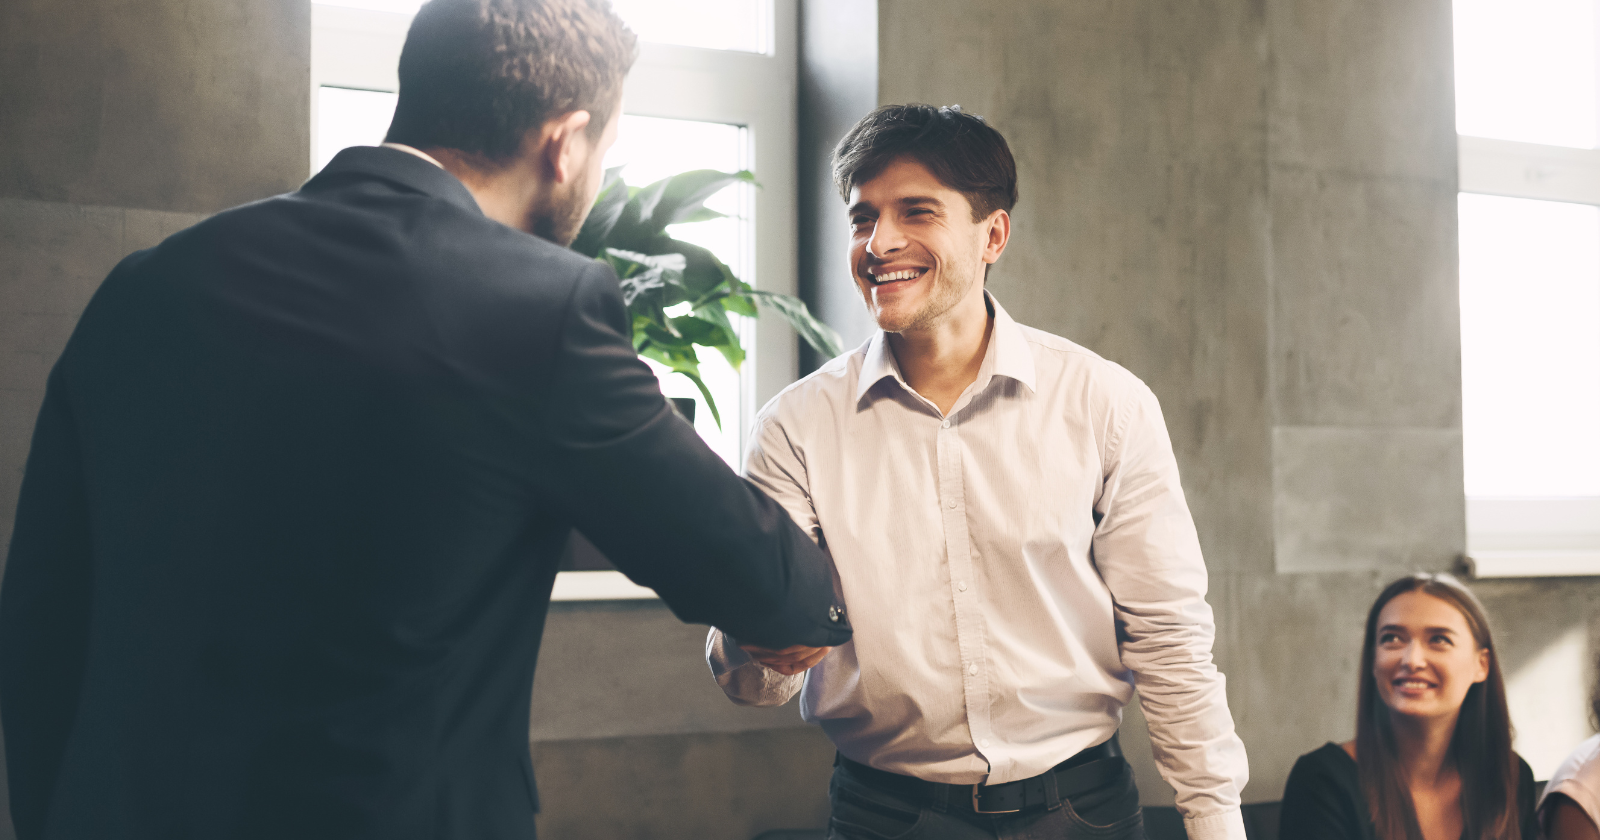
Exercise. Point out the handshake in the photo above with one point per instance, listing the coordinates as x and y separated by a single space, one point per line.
792 660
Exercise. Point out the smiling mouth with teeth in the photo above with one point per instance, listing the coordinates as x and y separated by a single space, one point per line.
897 276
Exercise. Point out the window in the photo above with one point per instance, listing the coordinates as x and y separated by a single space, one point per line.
714 87
1528 116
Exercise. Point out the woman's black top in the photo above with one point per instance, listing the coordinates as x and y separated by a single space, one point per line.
1323 799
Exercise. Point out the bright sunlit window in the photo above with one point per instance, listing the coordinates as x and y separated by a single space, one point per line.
1526 111
651 148
350 117
1530 347
1525 70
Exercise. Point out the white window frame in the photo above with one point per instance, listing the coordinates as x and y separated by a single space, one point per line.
357 48
1531 537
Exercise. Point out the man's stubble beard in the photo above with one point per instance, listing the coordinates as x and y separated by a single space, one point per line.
948 292
567 213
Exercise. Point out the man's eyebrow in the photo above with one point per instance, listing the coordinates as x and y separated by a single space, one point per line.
905 201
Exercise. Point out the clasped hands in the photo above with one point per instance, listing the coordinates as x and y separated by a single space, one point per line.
792 660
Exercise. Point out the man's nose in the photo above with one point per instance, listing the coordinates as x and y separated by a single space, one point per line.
886 238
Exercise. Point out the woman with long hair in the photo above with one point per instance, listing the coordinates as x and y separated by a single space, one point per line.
1432 756
1570 809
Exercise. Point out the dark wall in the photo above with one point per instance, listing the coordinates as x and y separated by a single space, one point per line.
838 86
161 105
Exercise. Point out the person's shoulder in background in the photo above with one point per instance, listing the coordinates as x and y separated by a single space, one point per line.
1574 785
1322 799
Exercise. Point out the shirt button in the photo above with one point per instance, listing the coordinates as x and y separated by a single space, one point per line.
951 504
961 585
984 743
973 669
946 424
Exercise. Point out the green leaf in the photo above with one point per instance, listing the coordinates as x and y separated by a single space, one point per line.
704 214
820 336
634 227
740 304
705 392
704 276
688 365
646 280
728 343
700 331
667 337
686 193
603 215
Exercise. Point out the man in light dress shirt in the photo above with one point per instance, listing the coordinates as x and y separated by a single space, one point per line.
1008 531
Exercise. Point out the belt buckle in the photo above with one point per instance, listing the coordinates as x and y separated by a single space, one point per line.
977 802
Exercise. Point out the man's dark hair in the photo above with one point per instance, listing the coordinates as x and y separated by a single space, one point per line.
965 153
477 75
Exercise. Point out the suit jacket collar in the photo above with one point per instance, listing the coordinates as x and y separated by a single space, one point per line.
400 168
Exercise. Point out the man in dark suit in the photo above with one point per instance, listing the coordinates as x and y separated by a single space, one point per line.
298 489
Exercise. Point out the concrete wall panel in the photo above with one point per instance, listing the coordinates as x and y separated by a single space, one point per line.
628 668
693 787
1364 87
1366 307
168 105
1367 498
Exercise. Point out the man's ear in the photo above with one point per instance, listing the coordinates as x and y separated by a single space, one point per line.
563 146
998 230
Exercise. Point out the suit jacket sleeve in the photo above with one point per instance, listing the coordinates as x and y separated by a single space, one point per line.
643 487
44 613
773 463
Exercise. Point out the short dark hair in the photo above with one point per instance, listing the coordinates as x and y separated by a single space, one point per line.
963 151
477 75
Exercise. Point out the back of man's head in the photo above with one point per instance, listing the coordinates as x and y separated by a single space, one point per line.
477 75
965 153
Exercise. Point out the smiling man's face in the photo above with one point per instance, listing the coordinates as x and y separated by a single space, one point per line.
915 251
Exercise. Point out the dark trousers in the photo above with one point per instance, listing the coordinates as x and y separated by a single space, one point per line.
866 809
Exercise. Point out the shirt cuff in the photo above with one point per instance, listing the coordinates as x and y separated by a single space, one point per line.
1228 825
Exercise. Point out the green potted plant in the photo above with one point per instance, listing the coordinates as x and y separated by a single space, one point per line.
627 230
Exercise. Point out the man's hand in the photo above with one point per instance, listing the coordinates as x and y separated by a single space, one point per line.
789 661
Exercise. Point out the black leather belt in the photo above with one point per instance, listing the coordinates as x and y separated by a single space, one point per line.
1094 767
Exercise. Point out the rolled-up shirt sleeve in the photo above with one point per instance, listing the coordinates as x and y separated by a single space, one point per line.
746 681
1148 553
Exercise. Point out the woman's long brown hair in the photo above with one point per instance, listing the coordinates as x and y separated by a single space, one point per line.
1481 744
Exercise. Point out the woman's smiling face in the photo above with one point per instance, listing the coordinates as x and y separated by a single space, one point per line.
1426 656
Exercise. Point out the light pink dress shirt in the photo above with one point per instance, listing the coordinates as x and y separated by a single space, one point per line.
988 560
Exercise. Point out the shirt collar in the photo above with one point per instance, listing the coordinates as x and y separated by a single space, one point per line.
413 151
400 167
1007 355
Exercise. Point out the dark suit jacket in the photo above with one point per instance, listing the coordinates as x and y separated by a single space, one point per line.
293 511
